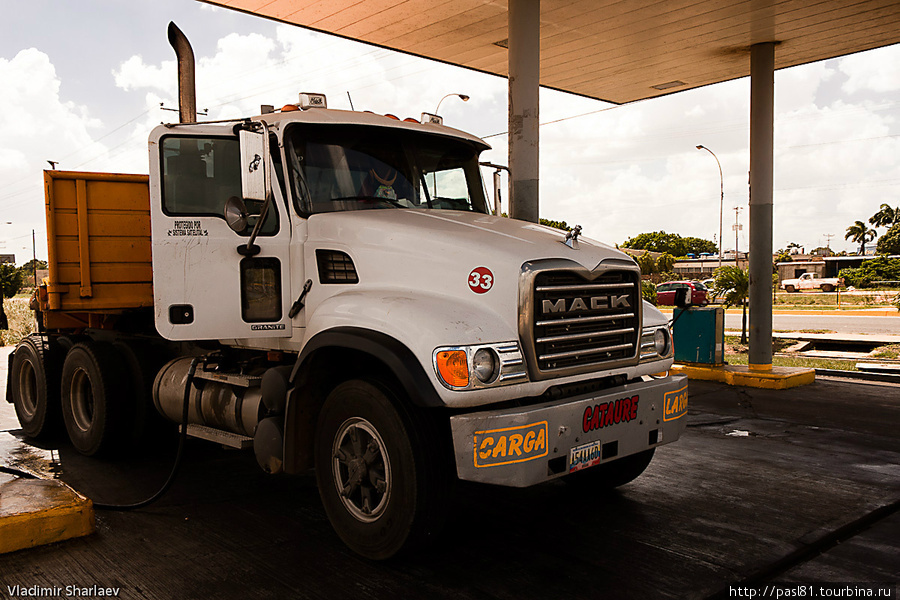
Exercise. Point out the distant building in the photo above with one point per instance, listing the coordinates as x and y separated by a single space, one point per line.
834 264
795 268
703 268
7 258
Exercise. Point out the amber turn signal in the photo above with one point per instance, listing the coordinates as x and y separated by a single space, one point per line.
453 367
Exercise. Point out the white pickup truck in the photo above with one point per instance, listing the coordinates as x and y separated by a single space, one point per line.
811 281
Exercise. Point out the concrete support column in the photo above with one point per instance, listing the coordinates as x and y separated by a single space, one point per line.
524 91
762 127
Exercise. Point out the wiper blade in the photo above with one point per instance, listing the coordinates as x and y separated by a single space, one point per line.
373 198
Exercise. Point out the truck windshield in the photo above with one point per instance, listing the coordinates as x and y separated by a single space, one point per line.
339 167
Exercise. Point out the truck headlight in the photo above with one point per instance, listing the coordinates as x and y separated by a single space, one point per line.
656 343
661 341
477 367
484 365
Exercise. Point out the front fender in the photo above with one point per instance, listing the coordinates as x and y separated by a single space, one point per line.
419 321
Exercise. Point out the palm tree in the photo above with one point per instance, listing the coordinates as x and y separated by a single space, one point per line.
860 234
886 216
733 284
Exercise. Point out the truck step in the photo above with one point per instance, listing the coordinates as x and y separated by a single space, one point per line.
226 438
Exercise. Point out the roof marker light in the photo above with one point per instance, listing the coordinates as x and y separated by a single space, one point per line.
308 101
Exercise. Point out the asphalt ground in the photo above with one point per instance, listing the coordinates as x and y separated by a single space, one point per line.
800 485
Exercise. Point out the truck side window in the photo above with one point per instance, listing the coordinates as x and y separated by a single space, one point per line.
200 174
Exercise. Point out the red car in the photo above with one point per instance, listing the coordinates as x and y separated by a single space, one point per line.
665 292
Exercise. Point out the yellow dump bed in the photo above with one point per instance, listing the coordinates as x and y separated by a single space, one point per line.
98 241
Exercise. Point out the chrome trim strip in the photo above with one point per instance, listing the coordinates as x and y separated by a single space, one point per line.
559 355
582 336
576 320
588 286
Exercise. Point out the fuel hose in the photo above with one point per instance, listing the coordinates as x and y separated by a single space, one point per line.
177 465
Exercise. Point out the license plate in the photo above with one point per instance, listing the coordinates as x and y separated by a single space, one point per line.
584 456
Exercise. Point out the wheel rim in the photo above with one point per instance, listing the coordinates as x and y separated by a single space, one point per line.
28 389
82 396
362 469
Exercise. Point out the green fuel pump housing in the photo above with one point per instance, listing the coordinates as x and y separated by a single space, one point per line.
699 335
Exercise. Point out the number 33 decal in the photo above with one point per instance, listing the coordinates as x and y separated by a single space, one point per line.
481 280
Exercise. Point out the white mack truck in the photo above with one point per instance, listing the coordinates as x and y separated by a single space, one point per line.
331 288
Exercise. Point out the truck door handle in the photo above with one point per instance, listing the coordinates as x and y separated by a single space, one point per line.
297 306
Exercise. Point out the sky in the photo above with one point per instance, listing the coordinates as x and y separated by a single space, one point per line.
83 82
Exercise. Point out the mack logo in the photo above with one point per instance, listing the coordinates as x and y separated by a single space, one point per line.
564 305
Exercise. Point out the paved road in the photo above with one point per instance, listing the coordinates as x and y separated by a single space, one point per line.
759 477
838 323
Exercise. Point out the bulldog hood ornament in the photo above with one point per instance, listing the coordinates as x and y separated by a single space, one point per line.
572 237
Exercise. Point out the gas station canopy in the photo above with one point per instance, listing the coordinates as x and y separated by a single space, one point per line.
614 50
620 51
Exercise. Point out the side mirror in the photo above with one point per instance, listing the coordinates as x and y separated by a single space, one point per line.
682 297
253 165
236 214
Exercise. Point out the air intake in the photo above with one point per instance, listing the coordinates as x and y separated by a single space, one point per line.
335 267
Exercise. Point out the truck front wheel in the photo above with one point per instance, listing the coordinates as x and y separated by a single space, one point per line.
34 385
379 487
92 381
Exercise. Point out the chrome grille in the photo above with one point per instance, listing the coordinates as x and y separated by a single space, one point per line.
580 322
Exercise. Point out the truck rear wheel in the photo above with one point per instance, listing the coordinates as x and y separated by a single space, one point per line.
92 381
34 387
379 484
612 475
827 287
790 289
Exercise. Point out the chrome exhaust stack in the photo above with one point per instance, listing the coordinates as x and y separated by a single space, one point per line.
187 92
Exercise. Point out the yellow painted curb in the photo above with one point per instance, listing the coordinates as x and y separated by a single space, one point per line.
34 512
779 378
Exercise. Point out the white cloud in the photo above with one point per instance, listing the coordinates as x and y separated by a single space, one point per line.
134 74
874 71
618 172
37 125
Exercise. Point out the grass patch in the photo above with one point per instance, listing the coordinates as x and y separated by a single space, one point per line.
733 344
798 361
21 321
736 354
889 352
796 330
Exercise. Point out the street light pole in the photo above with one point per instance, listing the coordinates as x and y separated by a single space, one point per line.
721 198
462 97
33 260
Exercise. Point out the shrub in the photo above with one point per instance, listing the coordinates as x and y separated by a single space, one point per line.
21 321
648 291
881 268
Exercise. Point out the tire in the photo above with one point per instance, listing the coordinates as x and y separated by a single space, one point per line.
34 387
827 287
140 420
608 476
92 388
790 289
373 446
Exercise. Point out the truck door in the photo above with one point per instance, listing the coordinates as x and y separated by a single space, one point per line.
204 288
